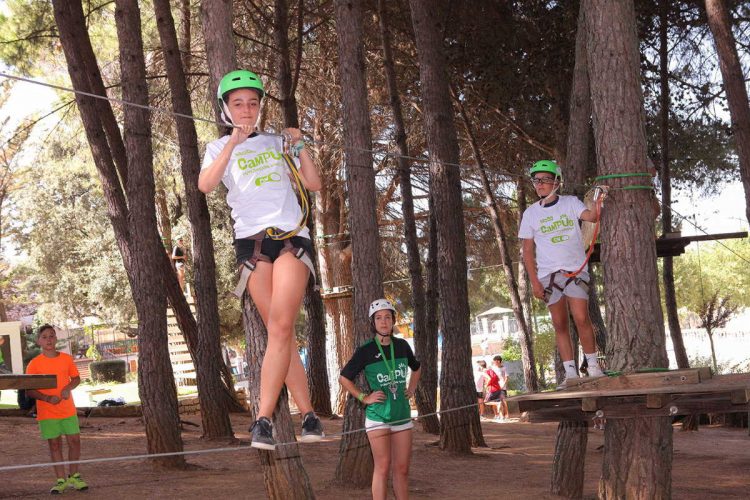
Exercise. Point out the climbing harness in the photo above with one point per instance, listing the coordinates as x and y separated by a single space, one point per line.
250 264
572 278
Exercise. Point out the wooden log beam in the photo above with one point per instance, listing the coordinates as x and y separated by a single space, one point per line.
28 382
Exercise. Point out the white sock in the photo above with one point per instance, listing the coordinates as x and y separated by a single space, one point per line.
570 369
592 360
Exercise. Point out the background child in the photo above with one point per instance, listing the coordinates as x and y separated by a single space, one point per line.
552 248
56 411
388 415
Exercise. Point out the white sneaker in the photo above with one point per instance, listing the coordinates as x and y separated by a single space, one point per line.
595 372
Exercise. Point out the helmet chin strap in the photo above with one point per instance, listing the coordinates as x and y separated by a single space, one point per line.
547 199
384 334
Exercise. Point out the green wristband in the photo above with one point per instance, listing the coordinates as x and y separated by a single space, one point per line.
361 397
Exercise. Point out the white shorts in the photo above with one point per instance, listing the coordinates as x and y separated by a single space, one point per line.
573 288
373 425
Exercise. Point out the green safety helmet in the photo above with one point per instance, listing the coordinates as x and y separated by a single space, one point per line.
548 166
238 79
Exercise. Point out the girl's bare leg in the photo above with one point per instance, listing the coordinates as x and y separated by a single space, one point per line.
284 282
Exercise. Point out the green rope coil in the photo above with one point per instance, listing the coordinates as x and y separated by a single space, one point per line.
620 176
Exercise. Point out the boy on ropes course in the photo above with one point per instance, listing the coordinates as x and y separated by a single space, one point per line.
388 424
554 256
272 242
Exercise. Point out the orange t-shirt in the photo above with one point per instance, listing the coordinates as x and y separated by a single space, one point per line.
63 367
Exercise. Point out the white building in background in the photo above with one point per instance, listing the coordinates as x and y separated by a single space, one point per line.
497 323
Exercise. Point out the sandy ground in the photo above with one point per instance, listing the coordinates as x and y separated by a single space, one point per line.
712 463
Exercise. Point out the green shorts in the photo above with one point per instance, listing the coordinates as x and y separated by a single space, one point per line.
55 427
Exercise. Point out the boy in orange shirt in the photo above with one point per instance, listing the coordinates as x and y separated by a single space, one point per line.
56 411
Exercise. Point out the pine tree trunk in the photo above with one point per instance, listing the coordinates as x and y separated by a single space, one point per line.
355 459
156 386
568 466
638 451
425 405
216 21
335 270
428 352
524 287
157 390
284 474
670 298
315 327
215 396
570 459
186 24
456 378
720 23
530 377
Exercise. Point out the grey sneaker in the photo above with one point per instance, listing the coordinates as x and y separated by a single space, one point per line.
564 384
262 431
312 429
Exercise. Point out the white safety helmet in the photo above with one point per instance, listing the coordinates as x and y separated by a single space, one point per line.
381 305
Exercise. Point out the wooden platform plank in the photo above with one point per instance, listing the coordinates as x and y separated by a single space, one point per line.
634 380
716 384
28 382
615 408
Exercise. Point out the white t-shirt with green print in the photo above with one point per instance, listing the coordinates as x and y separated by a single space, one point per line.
260 192
556 234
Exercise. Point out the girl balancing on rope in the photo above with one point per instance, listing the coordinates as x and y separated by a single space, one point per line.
554 256
384 360
272 242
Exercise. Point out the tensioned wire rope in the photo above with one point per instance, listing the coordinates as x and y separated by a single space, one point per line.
345 148
224 449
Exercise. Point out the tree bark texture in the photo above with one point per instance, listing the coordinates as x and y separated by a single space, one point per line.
156 386
570 459
334 254
216 20
428 353
158 392
215 395
530 377
720 23
355 460
315 327
638 451
186 24
524 287
670 297
456 380
284 474
425 405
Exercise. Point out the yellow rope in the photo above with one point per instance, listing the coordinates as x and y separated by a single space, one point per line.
277 234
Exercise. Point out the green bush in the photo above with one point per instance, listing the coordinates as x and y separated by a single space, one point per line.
111 370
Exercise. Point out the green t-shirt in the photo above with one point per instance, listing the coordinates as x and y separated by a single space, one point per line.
369 358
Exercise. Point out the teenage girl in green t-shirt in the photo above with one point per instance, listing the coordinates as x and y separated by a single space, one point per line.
385 360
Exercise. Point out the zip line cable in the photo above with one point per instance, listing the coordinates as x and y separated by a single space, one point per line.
699 228
221 450
165 111
321 143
